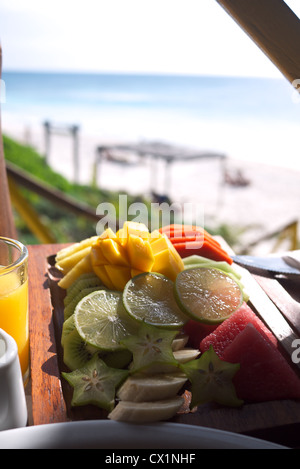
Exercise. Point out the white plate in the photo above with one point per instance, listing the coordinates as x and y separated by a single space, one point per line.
117 435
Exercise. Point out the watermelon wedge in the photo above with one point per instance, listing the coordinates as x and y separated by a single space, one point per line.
227 331
197 331
264 374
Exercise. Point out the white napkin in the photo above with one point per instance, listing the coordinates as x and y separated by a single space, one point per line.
292 258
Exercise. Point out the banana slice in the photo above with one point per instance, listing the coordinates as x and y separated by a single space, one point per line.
146 411
186 354
143 388
179 342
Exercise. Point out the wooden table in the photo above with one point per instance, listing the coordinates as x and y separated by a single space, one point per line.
277 421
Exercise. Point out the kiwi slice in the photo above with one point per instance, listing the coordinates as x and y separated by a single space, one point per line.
68 327
76 351
95 383
84 281
70 307
85 276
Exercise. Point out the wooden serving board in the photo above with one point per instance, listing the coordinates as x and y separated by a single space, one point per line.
277 421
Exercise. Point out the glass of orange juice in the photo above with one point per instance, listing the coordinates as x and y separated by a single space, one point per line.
14 297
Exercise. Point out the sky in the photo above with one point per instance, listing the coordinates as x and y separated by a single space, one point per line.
194 37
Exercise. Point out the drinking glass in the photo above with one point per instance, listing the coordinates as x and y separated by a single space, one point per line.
14 297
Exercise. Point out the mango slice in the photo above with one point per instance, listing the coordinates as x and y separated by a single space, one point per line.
97 256
140 253
121 237
118 275
159 244
135 228
135 272
113 252
167 261
117 257
108 233
100 271
167 264
155 235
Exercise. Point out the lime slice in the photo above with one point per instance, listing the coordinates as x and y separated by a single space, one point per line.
101 320
149 297
207 295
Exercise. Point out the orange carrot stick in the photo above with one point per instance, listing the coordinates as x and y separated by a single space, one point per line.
188 231
204 249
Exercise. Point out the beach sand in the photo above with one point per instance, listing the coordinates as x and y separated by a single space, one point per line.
269 202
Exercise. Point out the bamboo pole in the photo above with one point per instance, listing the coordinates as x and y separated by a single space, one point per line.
274 27
23 179
7 225
29 215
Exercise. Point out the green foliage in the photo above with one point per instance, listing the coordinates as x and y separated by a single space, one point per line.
65 226
28 159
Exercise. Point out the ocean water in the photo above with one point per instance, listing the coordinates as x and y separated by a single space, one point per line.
252 119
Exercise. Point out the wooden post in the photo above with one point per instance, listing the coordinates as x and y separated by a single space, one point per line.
74 131
274 27
47 141
7 225
29 215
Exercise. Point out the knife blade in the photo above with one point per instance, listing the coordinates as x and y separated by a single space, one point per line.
275 265
270 314
292 258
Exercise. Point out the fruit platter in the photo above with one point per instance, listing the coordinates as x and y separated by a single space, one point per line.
157 326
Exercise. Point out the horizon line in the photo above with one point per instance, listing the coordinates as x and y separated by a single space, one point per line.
138 72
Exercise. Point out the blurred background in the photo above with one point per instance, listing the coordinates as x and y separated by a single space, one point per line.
180 77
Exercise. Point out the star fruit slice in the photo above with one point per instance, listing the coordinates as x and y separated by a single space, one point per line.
95 383
211 380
